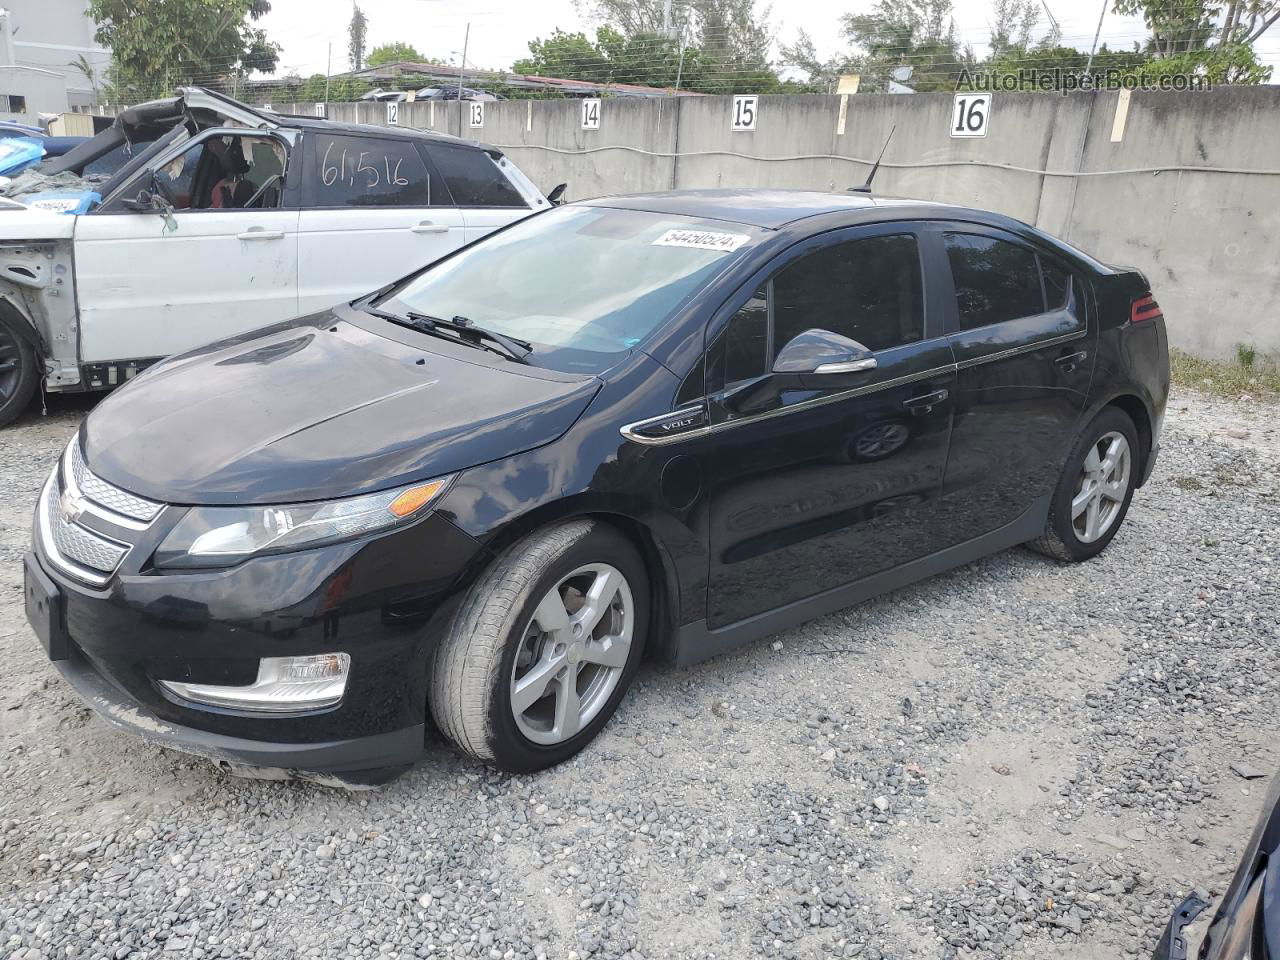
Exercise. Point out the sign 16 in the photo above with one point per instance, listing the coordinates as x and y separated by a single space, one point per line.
970 114
744 112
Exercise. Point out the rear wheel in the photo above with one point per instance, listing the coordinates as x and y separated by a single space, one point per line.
18 373
1094 492
543 647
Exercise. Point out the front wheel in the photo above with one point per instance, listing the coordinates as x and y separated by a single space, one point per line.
543 648
1094 492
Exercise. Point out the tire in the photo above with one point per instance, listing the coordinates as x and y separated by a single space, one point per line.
1063 538
19 368
497 640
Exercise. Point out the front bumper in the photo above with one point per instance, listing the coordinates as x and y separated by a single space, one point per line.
362 759
384 601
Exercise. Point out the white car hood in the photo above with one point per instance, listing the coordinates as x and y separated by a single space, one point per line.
20 222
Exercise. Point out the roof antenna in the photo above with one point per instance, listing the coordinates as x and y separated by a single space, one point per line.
866 187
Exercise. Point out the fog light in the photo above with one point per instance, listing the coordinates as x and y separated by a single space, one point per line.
284 685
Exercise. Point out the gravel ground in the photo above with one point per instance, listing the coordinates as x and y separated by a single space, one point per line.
1016 759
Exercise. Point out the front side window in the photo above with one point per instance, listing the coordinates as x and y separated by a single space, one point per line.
225 173
348 171
995 280
868 290
584 285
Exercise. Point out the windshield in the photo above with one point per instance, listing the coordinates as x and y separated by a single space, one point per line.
583 285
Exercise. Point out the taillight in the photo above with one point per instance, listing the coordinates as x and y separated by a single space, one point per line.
1144 308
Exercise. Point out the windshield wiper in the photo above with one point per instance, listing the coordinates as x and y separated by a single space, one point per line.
472 336
514 347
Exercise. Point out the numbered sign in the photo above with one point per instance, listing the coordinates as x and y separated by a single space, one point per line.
393 113
477 113
971 115
319 109
267 107
744 112
590 114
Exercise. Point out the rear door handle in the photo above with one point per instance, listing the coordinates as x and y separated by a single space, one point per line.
1072 360
925 403
426 226
257 233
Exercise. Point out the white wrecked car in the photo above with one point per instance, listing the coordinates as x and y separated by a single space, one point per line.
198 218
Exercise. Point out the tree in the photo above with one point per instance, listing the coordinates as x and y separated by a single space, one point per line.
920 34
1186 37
82 64
356 31
158 44
393 53
1014 21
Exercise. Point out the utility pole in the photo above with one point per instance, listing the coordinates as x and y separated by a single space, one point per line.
328 69
462 68
1097 33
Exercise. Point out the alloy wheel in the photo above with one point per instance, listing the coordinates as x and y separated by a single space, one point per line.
880 440
1102 488
572 654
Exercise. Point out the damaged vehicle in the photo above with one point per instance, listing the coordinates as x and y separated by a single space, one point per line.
1247 923
198 218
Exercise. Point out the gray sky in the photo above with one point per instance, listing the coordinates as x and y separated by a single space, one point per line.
502 29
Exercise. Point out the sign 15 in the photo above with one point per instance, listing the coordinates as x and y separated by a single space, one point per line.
970 114
744 112
590 114
477 113
393 113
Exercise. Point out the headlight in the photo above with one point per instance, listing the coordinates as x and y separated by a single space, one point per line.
223 536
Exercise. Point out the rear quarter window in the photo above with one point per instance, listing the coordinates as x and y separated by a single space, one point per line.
474 179
354 171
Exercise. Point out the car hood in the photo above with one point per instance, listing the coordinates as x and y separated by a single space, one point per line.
320 409
21 222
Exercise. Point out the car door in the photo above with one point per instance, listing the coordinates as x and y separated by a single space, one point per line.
809 490
149 287
489 193
1023 334
373 210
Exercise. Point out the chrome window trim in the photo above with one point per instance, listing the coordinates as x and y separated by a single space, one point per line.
836 397
1024 348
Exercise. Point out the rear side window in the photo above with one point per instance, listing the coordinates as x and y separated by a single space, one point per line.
347 171
473 178
995 281
1057 283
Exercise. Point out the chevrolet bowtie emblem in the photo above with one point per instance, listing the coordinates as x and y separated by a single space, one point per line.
70 507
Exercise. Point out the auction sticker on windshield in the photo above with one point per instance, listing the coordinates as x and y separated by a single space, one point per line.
702 240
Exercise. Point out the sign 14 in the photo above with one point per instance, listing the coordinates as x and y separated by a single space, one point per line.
970 114
744 112
590 114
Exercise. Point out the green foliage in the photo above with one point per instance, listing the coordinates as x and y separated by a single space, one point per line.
159 44
647 59
357 32
393 53
292 88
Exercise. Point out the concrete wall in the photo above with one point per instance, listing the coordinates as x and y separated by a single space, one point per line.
1209 241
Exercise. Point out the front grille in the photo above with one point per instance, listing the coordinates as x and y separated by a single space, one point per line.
108 495
87 525
74 543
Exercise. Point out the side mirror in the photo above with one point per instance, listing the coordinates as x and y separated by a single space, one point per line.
143 203
556 196
149 201
817 359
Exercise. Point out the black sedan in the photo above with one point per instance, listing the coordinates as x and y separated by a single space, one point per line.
660 425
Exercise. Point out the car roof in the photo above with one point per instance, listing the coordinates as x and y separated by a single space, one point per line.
320 125
769 208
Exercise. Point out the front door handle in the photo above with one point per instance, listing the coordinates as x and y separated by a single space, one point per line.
925 403
426 226
257 233
1072 360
